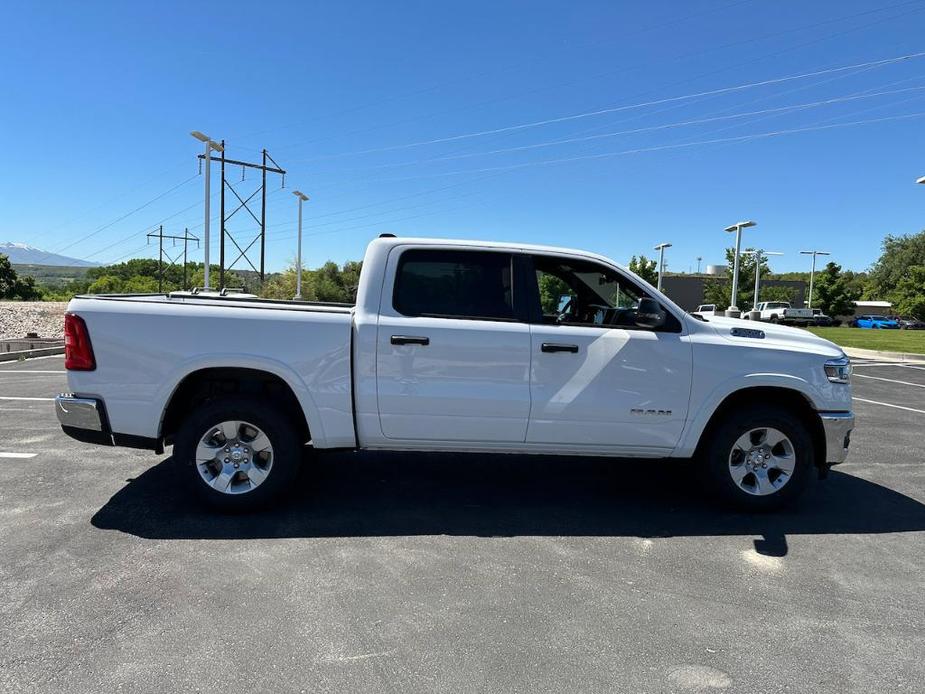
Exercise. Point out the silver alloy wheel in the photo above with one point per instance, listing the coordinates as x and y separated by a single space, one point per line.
234 457
762 461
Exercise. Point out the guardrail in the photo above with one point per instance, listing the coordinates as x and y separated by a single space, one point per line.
25 348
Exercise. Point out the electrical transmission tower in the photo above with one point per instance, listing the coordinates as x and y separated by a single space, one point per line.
160 236
244 252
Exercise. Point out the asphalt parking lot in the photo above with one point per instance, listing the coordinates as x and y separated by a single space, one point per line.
397 572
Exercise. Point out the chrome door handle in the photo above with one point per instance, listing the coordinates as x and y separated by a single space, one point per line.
559 347
410 340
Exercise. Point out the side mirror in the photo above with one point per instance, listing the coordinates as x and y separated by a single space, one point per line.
649 314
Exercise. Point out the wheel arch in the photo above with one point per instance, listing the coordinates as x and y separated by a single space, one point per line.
209 383
788 398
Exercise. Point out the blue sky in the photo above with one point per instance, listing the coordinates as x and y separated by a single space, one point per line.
99 100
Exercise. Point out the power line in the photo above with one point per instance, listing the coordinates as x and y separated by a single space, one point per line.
605 155
652 128
124 216
615 109
750 40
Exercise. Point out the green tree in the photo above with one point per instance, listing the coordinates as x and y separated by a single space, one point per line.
645 268
716 291
909 296
832 292
12 286
900 253
330 282
771 292
551 290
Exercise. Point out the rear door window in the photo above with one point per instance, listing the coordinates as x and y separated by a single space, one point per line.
454 284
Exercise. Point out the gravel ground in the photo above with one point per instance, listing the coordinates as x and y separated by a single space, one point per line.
43 317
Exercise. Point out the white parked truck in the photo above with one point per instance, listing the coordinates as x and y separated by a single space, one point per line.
782 312
456 346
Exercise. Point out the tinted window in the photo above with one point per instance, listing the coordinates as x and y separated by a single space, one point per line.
457 284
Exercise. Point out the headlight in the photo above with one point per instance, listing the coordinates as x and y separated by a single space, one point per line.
838 370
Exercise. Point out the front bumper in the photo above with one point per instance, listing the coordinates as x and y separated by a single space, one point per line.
838 427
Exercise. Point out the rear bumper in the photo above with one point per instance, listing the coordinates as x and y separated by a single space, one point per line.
838 427
84 419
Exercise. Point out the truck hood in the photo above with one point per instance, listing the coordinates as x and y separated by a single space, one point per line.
781 336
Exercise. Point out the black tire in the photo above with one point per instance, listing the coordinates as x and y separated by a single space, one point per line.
715 458
278 427
774 319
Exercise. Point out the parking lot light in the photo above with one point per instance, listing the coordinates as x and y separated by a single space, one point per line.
737 228
207 157
298 256
661 262
812 273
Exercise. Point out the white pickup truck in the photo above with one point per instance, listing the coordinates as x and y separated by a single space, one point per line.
456 346
782 312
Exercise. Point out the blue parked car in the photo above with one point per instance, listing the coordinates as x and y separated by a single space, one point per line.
876 323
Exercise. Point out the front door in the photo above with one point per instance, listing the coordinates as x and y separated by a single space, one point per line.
597 379
452 362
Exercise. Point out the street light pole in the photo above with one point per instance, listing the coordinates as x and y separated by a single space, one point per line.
298 257
759 256
661 262
812 273
733 311
210 145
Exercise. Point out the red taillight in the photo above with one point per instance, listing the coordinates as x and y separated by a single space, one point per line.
78 352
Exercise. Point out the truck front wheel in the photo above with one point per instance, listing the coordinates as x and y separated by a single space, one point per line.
237 453
760 458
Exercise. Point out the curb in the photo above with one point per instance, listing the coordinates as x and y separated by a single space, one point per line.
884 356
27 353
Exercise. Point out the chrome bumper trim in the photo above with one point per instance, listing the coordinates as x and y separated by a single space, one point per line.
79 413
838 427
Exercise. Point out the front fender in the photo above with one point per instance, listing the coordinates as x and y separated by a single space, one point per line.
702 413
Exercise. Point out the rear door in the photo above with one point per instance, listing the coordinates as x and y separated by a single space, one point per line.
597 379
452 358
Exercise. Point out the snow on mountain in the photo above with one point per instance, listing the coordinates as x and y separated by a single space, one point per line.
24 254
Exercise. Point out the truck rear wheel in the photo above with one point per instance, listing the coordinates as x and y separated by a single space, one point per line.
758 459
238 454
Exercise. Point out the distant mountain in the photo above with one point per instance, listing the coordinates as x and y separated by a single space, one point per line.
23 254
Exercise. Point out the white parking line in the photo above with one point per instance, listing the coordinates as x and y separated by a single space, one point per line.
14 363
891 380
7 397
887 404
18 456
30 371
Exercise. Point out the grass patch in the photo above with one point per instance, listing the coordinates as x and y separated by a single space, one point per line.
886 340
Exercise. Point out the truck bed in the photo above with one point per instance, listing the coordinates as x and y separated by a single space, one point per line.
145 345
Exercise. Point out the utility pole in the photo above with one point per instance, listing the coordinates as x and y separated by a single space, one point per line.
812 273
210 145
699 258
661 262
298 255
161 254
733 311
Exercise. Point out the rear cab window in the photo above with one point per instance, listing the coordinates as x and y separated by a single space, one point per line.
450 283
